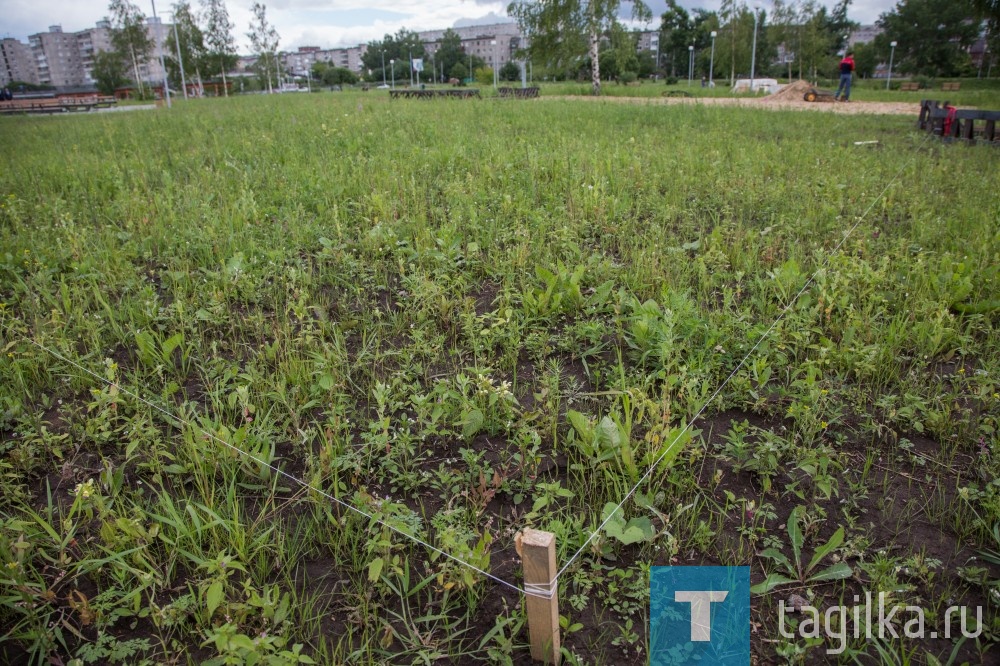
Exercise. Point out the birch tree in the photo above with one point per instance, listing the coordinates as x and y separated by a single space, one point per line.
264 41
188 40
560 29
129 37
219 37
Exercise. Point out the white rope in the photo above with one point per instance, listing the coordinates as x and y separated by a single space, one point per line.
714 395
541 590
282 472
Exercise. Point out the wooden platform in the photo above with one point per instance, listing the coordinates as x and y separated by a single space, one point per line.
56 104
518 93
461 93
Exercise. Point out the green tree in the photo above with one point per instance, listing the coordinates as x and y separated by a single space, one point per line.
264 42
866 58
450 51
484 76
989 10
219 41
109 71
646 62
735 40
785 29
510 72
338 76
191 42
933 36
398 47
676 33
129 37
560 30
817 46
458 71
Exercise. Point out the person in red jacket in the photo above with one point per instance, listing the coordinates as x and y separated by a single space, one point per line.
846 74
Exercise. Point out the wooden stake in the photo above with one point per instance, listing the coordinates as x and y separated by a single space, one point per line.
538 557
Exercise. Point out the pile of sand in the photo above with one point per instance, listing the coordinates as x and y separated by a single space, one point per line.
792 92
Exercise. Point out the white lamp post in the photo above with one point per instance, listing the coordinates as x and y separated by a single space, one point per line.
180 61
383 68
493 43
690 64
753 54
655 40
163 66
891 54
392 66
711 65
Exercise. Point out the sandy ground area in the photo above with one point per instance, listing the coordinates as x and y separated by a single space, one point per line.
885 108
789 98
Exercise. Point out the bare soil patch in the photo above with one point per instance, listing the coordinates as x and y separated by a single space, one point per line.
771 102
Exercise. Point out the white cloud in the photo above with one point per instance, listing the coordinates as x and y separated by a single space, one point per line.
297 25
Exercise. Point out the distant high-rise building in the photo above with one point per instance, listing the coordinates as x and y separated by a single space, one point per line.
66 59
863 35
17 63
57 58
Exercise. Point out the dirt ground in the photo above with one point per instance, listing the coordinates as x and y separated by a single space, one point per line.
852 107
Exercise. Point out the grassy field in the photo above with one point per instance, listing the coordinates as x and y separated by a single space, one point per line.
465 318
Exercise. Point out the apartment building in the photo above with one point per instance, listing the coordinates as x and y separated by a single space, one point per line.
90 42
16 63
299 62
57 57
66 59
478 40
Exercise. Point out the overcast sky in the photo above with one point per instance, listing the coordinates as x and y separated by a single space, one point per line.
324 23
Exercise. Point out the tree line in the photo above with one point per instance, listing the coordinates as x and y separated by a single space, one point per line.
575 39
387 59
201 44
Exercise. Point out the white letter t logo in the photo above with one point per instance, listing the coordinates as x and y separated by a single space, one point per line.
701 611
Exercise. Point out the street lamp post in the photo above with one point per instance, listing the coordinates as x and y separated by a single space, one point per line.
163 66
753 54
383 68
392 66
711 62
655 39
690 64
493 43
180 61
892 53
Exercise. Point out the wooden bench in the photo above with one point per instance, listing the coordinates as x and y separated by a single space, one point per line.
39 105
909 86
518 93
466 93
951 86
970 125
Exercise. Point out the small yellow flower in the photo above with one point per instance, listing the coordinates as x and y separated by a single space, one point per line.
823 425
12 565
